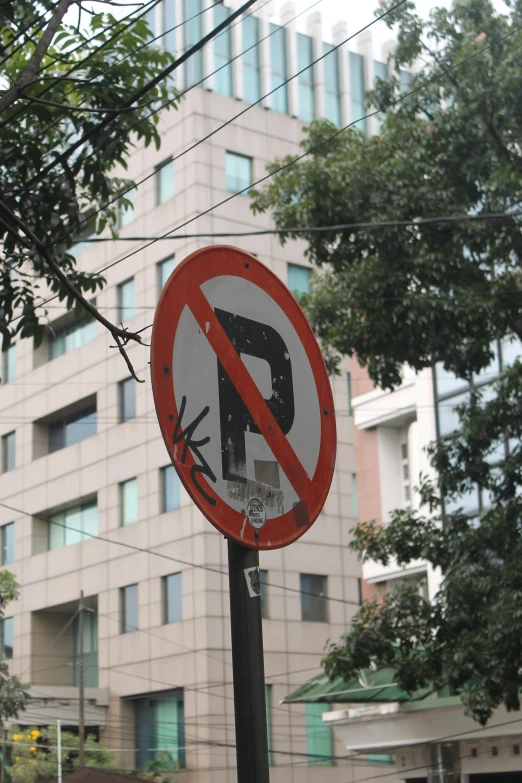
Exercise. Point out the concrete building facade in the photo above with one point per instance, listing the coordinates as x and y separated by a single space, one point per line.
89 502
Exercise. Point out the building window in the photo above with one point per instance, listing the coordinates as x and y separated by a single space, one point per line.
332 89
160 735
359 591
129 502
173 598
165 269
355 499
268 703
72 429
222 46
404 81
313 598
150 18
90 649
251 64
357 90
129 608
238 169
349 390
278 69
70 337
262 585
126 212
298 278
193 35
306 79
319 742
169 25
405 472
9 368
380 71
88 231
127 399
165 181
8 452
8 543
126 300
170 489
7 638
73 525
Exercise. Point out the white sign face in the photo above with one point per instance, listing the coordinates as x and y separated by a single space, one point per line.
249 413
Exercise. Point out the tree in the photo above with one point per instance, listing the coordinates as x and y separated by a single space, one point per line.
419 292
13 694
67 118
34 753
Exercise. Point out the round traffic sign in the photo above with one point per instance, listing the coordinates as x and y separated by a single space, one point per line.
243 398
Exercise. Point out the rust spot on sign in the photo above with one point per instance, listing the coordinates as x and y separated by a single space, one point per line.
301 516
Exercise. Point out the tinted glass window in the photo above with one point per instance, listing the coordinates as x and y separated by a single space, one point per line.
173 598
313 598
129 606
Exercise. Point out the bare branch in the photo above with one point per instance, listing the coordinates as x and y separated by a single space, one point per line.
121 335
32 66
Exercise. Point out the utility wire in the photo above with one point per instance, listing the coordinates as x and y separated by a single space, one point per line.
418 221
187 563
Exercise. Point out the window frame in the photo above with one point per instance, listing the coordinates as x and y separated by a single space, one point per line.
311 596
121 307
166 603
3 621
8 452
122 385
166 471
11 527
133 481
65 421
238 156
9 364
158 181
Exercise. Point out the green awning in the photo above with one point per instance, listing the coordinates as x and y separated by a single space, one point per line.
372 686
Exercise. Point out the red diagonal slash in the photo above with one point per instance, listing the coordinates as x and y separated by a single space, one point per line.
252 397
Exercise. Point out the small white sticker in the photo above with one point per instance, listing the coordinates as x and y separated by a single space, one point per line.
252 580
256 513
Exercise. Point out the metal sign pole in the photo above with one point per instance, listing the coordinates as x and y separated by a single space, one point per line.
248 665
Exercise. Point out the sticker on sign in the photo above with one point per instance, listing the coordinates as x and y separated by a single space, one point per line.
243 398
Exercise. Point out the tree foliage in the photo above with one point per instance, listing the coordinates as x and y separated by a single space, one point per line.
13 694
428 292
34 753
62 132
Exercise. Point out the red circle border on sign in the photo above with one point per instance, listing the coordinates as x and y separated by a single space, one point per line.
196 269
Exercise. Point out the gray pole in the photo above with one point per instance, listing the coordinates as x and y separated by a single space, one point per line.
248 664
81 667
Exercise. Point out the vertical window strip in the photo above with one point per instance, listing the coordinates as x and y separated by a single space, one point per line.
278 66
332 84
222 53
305 79
357 90
251 62
169 23
193 33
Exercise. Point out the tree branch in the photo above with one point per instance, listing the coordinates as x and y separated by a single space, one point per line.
67 107
120 335
32 66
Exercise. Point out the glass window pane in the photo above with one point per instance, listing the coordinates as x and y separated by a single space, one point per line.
169 23
222 46
127 212
511 351
319 742
126 300
9 369
169 733
251 68
313 598
238 169
82 426
165 269
129 502
90 520
71 337
305 79
279 98
127 399
357 89
8 543
490 372
165 188
449 420
331 85
193 34
298 278
129 608
468 503
404 81
380 70
73 526
8 638
56 436
8 452
448 382
173 598
170 488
